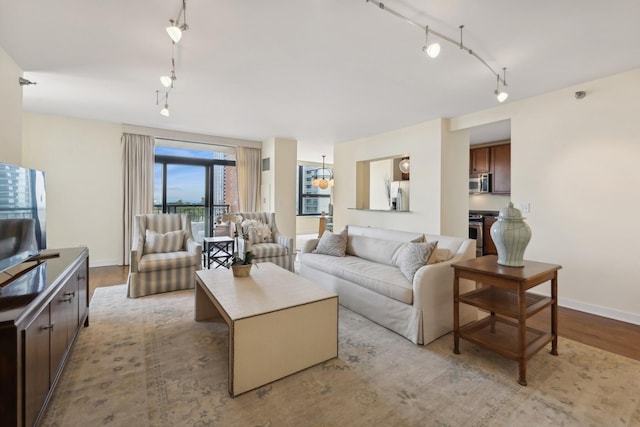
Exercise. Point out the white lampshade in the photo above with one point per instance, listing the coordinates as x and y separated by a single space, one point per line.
175 33
433 50
165 111
502 96
166 81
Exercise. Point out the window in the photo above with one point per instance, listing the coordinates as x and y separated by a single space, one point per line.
201 183
311 200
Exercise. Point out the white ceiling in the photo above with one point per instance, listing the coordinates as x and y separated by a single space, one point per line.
319 71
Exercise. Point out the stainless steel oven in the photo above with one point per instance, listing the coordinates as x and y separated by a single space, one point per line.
476 226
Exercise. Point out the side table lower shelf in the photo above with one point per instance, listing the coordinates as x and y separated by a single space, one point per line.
498 334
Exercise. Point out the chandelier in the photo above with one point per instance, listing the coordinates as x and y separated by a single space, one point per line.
323 177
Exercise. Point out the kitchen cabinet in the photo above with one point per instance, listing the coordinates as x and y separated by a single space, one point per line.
479 160
37 332
489 246
501 169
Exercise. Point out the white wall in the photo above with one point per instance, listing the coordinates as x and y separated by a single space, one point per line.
83 166
10 110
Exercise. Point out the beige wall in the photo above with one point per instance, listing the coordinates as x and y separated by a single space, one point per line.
10 110
434 160
279 183
83 166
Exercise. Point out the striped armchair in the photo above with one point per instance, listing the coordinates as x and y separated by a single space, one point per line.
164 256
279 250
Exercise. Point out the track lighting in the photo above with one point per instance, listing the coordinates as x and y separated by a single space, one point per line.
167 81
165 109
175 29
501 96
433 49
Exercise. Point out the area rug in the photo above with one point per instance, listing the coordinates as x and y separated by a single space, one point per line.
146 362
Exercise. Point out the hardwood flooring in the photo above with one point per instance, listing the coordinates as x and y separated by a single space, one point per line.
600 332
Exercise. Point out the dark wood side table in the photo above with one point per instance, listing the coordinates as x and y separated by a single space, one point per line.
502 291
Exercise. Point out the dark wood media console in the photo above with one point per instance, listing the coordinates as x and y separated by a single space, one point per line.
41 313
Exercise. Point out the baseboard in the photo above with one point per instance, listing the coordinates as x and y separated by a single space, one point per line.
600 311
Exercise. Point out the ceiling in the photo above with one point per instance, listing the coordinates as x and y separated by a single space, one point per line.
319 71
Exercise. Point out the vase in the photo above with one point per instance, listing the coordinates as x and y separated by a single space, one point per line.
241 270
511 236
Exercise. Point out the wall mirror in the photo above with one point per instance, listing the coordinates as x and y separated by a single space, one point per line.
383 184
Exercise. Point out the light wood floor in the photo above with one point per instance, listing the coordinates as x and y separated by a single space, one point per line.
607 334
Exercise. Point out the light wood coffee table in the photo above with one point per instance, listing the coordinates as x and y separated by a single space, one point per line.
279 323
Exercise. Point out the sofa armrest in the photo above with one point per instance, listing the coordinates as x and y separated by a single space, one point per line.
309 246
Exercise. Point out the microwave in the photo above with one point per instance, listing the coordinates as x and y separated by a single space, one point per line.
480 183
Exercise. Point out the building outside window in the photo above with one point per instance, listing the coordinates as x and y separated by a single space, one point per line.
311 200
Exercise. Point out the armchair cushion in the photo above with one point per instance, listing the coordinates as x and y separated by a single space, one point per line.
167 261
154 242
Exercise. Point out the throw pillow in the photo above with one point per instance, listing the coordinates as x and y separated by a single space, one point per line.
414 256
440 255
332 244
155 242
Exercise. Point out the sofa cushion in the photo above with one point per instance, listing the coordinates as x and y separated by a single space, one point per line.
167 261
373 249
155 242
383 279
414 256
332 244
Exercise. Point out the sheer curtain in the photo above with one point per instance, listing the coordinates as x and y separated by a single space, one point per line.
137 159
249 169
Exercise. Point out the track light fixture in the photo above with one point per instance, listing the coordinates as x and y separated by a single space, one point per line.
501 95
175 29
165 109
433 50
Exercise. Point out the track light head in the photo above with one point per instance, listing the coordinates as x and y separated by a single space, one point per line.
175 33
501 96
432 50
165 110
166 81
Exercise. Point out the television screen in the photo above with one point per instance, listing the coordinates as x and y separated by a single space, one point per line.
22 214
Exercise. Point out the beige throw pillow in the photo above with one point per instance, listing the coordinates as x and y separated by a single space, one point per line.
414 256
155 242
332 244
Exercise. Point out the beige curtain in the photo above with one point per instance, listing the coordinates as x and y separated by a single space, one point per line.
137 159
249 169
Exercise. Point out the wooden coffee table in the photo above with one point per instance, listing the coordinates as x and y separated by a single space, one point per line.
279 323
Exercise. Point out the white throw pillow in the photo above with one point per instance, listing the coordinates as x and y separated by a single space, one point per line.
332 244
414 256
155 242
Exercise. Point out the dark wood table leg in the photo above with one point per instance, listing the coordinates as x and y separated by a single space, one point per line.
522 336
456 313
554 314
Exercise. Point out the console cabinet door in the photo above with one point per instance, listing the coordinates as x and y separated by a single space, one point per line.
36 366
64 318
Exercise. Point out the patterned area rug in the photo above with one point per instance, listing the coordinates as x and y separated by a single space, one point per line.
146 362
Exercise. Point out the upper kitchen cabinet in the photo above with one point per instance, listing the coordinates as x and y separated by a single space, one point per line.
501 169
479 160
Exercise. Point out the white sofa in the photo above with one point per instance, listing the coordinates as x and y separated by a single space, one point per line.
368 281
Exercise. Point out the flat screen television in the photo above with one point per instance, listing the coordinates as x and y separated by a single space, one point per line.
22 214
